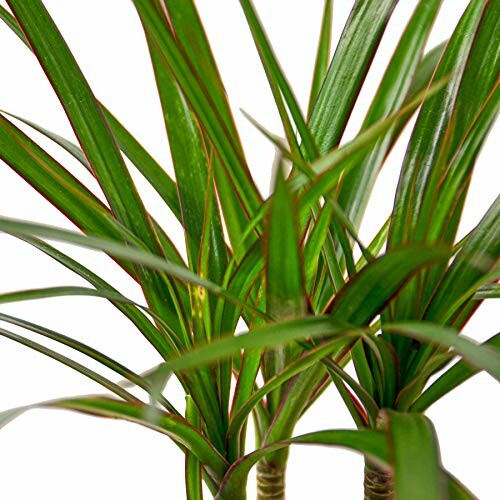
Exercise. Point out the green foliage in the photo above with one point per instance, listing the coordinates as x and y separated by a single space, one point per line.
284 266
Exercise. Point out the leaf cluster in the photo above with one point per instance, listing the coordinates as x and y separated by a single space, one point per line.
285 265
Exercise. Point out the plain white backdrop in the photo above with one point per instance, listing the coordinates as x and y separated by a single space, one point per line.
60 455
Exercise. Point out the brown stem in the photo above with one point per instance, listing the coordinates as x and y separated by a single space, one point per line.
270 482
379 485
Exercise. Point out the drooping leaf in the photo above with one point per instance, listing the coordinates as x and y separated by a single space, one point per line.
372 443
483 357
64 360
451 378
130 253
150 332
131 377
262 337
174 427
48 177
415 455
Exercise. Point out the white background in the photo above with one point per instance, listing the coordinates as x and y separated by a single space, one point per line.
60 455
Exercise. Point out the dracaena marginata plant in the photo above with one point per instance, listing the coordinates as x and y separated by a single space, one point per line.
284 265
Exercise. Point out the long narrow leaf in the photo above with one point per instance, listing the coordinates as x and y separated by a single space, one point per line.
284 281
416 457
456 375
322 55
95 137
347 70
174 427
371 443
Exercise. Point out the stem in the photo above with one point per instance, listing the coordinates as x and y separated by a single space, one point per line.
270 482
379 484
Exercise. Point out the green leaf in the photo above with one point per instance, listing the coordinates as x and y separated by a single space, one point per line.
284 281
357 303
363 368
416 384
92 375
206 98
192 464
175 344
385 367
453 301
150 332
294 403
369 290
145 163
294 368
262 337
197 380
174 427
427 67
95 137
240 280
473 115
63 190
358 413
347 71
190 36
457 491
134 151
131 377
331 166
371 443
277 79
369 406
430 129
189 155
394 89
84 113
490 291
415 455
11 22
320 256
66 144
322 55
55 183
478 256
21 153
451 378
376 244
138 256
483 357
